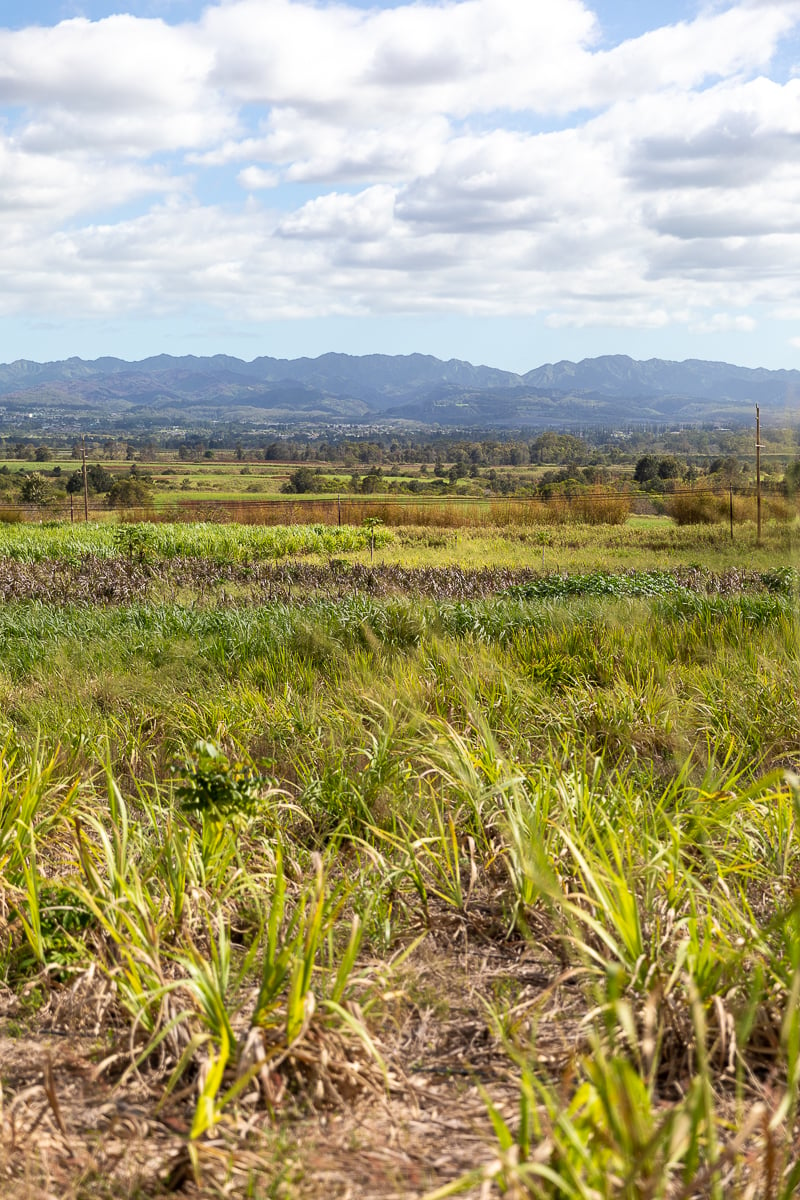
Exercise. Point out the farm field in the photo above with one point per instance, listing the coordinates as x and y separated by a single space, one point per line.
462 863
225 479
172 479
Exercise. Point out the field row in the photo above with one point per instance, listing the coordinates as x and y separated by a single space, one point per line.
562 548
225 543
92 579
666 670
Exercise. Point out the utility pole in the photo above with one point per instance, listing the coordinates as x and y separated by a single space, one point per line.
758 475
85 481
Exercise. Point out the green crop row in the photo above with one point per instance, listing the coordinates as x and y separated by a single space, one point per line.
219 543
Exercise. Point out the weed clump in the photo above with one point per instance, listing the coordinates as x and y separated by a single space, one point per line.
212 786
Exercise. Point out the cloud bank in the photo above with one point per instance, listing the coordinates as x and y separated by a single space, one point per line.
486 157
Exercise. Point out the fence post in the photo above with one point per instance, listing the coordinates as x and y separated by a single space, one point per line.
730 495
339 508
758 474
85 482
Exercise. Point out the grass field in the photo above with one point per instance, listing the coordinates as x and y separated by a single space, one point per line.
226 480
450 869
223 479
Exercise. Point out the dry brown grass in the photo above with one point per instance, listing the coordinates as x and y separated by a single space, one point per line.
699 506
696 507
598 507
71 1129
594 507
780 509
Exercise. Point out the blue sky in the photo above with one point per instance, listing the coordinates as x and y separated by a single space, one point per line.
506 181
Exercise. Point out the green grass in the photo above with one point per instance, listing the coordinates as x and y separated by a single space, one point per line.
574 548
218 543
629 678
288 855
639 545
163 498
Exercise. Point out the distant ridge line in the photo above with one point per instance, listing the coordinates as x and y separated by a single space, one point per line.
413 387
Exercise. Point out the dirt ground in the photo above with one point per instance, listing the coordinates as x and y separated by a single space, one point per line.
75 1126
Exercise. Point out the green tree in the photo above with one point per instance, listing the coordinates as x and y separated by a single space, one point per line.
553 447
301 480
726 467
669 468
129 493
646 468
372 481
371 523
98 478
35 489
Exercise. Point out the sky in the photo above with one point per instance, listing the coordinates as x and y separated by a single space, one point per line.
510 182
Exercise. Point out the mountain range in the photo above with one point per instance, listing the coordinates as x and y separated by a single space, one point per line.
417 388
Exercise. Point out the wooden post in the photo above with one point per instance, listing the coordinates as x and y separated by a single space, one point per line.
71 509
758 475
339 507
730 492
85 482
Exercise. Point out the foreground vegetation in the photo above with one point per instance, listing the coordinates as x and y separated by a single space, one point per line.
306 864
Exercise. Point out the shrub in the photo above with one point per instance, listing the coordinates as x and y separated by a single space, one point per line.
744 508
133 540
646 468
300 481
213 786
599 507
697 507
779 509
35 489
129 493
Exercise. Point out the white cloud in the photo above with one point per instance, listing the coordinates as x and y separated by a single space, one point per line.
367 216
121 84
256 179
720 44
405 172
724 322
40 191
451 57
